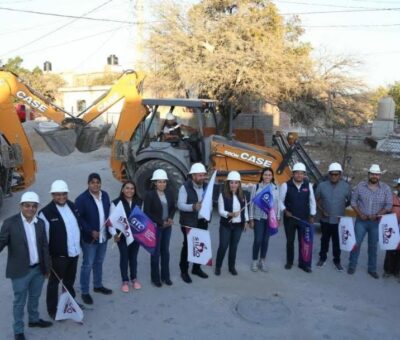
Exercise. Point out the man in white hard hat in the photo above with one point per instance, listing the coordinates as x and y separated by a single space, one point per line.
28 261
93 207
370 199
189 203
332 197
297 202
61 218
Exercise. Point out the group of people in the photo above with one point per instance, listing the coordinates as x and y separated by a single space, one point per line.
47 243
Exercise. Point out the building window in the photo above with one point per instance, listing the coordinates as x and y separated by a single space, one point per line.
81 104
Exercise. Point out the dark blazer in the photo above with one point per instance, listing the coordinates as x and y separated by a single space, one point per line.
90 218
153 209
13 235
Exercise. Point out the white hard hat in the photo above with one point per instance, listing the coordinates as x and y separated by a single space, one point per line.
335 167
233 176
299 167
170 116
197 168
29 196
59 186
375 169
159 175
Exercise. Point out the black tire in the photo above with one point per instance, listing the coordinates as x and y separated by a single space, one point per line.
1 197
145 171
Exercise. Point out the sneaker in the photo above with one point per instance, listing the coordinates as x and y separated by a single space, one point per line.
320 263
102 290
351 271
186 278
136 284
125 287
338 267
254 266
288 266
233 271
86 298
263 266
374 275
217 271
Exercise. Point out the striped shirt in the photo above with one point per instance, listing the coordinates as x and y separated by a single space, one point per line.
370 202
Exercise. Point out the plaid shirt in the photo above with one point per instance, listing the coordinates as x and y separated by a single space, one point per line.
371 202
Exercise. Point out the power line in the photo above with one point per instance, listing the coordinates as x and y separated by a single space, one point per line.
351 26
346 11
319 4
68 16
55 30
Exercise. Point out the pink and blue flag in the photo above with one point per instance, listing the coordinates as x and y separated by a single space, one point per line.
143 229
265 201
306 243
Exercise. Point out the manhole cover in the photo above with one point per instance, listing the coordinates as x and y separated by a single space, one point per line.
263 311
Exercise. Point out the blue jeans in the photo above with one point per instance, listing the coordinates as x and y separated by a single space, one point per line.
261 238
128 255
360 229
93 258
28 286
162 250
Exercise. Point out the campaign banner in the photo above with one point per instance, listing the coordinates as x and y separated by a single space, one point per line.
67 308
143 229
119 221
389 236
347 236
265 201
199 246
306 243
206 203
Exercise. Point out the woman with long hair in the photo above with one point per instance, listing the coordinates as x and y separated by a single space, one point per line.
259 220
159 206
128 254
232 208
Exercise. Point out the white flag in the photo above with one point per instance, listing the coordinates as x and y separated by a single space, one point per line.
67 308
199 246
347 236
389 236
118 220
206 203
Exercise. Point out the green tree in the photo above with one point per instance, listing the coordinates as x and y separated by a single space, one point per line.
46 84
394 91
238 52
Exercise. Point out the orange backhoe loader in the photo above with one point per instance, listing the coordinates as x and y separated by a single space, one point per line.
137 149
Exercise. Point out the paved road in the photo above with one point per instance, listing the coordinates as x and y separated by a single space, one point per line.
276 305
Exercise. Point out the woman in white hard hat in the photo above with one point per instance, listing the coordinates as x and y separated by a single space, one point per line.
232 208
127 254
159 206
259 219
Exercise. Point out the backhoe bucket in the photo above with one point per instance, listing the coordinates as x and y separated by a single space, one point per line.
91 138
61 141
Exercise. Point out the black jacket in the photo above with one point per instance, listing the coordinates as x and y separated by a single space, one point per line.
153 209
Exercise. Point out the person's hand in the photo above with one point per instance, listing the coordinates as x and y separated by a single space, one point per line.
246 226
363 217
234 214
95 234
117 237
311 219
373 217
166 224
196 206
288 213
251 224
170 221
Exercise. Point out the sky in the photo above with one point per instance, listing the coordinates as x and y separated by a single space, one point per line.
368 30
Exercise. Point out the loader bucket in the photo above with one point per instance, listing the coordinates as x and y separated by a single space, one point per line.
61 141
91 138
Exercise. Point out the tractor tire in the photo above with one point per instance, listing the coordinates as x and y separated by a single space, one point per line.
145 171
1 196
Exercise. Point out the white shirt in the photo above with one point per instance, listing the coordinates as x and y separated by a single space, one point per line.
71 228
102 218
235 207
283 192
31 238
182 197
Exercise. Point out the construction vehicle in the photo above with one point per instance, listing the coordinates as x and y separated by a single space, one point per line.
137 149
